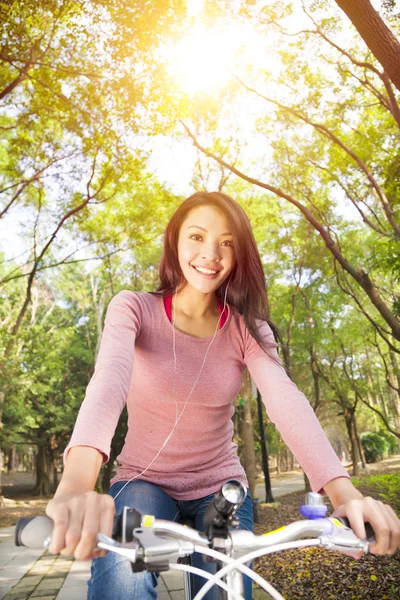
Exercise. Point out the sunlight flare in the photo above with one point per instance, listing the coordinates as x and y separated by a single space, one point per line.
205 58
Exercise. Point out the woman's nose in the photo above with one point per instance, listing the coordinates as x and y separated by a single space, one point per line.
211 251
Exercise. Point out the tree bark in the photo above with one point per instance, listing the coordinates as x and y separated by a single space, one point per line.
249 455
43 487
307 484
353 442
376 34
396 368
264 451
2 397
11 456
359 444
395 393
291 461
99 307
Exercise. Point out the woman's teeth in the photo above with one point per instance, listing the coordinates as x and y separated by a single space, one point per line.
206 272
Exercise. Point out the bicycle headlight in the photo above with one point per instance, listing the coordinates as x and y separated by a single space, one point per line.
225 503
230 497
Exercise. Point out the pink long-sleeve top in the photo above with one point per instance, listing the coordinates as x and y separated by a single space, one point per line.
135 366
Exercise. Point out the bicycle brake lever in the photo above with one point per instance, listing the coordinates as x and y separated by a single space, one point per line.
342 538
368 527
130 550
344 545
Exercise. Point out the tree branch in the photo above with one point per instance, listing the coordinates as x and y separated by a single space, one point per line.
335 139
378 328
26 182
358 274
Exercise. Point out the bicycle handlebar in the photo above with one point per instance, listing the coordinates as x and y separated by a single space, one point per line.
131 527
156 545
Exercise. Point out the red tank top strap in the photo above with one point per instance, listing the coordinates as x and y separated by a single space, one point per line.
168 310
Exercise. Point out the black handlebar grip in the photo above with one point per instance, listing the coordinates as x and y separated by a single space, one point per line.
368 527
128 520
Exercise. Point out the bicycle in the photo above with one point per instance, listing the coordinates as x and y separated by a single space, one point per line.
159 545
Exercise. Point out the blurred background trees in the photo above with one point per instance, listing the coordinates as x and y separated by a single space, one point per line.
282 106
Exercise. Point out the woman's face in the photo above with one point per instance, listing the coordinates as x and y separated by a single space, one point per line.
206 243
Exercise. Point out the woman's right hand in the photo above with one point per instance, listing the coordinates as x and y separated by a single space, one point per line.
78 518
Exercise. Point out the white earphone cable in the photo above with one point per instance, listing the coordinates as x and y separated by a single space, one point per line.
177 419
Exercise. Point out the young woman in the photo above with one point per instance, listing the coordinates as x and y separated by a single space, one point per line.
175 357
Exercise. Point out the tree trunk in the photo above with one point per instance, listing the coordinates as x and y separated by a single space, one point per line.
103 481
249 455
264 451
359 444
11 458
106 476
42 487
376 34
316 377
1 461
395 393
307 484
396 368
286 358
99 307
353 444
55 476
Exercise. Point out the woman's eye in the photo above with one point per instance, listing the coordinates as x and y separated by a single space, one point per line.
196 237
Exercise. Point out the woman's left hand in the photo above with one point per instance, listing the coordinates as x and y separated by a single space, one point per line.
382 518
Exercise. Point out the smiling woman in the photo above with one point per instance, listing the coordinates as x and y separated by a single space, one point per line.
179 370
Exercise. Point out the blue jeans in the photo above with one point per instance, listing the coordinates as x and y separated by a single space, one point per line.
111 575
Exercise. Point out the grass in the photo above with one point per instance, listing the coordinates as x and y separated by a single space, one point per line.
385 486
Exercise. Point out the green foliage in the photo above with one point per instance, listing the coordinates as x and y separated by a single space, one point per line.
90 85
375 446
392 441
386 485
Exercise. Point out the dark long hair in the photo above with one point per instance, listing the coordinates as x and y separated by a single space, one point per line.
247 290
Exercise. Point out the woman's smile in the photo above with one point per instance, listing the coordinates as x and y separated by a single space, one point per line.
207 273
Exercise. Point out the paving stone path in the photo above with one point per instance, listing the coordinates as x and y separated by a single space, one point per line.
44 579
33 574
36 575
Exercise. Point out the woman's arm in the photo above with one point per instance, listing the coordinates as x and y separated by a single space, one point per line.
291 412
341 490
80 472
108 389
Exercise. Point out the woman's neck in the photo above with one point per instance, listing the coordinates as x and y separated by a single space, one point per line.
194 304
